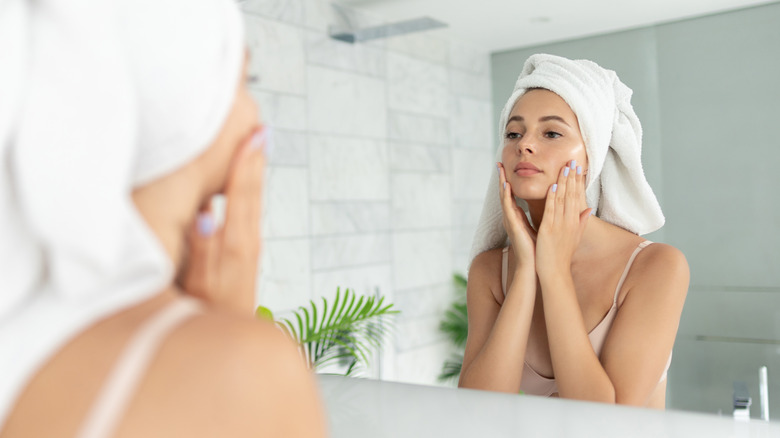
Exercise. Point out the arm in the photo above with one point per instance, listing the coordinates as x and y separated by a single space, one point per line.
578 372
641 338
639 342
642 335
498 333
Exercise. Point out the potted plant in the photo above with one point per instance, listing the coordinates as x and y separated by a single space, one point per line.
455 325
344 332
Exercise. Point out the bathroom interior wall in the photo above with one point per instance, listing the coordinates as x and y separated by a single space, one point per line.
708 95
376 180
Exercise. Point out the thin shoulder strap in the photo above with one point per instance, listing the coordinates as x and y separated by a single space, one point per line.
639 248
504 268
112 402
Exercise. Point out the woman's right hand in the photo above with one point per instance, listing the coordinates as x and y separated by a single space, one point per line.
521 234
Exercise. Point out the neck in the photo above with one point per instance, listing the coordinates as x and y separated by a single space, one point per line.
169 206
593 237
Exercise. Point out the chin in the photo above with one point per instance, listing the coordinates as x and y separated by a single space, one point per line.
529 192
535 196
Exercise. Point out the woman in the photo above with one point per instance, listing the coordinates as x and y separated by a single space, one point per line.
119 122
578 305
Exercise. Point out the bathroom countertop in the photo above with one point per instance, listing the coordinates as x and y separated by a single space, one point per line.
374 409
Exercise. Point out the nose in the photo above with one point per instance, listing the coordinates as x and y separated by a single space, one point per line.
526 146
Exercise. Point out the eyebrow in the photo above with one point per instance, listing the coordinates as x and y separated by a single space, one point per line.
543 119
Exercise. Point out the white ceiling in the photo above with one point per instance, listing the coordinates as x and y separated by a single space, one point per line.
498 25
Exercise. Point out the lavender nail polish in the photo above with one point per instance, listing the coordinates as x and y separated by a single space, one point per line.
259 139
206 225
555 188
573 163
566 171
504 185
579 170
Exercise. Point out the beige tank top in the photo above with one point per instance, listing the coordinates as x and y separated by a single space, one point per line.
536 384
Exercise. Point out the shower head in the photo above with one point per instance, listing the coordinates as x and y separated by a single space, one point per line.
352 34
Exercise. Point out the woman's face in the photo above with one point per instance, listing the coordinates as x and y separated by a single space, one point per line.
541 137
242 121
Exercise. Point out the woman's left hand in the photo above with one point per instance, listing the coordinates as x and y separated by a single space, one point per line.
222 265
565 217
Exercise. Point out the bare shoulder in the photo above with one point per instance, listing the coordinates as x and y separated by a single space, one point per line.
228 374
217 324
663 268
225 339
486 271
663 258
487 263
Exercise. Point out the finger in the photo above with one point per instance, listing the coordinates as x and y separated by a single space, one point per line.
572 192
243 193
582 174
584 217
549 205
561 192
202 254
501 177
505 189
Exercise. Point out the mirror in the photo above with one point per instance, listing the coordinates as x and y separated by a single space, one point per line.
383 151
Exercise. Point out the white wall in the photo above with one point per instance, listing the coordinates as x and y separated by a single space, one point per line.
382 155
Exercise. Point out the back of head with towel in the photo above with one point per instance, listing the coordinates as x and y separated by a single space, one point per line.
101 99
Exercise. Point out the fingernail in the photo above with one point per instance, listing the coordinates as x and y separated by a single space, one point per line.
573 163
565 171
498 165
206 225
504 185
270 142
259 139
579 170
264 138
555 188
593 212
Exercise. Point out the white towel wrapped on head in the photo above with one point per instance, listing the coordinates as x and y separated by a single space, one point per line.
96 98
616 186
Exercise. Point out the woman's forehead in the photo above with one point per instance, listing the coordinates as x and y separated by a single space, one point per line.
540 100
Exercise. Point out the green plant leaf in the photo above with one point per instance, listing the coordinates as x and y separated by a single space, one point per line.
320 345
460 281
264 313
346 332
455 325
451 368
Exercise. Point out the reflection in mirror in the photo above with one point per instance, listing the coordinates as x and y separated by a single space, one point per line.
385 149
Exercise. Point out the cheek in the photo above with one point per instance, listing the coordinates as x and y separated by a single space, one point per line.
563 156
578 153
247 109
506 153
582 159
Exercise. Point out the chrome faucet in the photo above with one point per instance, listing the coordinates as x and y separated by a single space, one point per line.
742 402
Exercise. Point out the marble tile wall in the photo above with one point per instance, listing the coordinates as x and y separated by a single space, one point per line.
382 153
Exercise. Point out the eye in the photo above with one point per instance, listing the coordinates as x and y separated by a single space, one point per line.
552 134
513 135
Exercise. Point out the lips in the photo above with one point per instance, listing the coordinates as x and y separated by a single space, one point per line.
526 169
